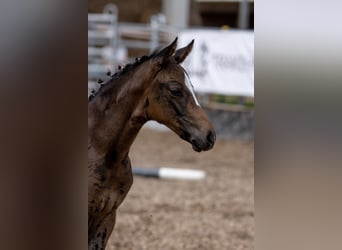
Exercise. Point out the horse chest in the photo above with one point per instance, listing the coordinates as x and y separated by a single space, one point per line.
109 187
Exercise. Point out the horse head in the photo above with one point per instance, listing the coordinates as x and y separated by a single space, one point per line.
170 98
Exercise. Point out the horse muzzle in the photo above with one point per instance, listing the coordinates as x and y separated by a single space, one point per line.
203 144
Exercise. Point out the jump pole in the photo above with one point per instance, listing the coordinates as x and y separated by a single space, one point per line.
170 173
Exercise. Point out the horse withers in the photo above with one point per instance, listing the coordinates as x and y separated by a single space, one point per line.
155 87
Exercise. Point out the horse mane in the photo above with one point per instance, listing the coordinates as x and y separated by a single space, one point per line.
121 71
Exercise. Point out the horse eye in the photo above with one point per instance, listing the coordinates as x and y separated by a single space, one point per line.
176 92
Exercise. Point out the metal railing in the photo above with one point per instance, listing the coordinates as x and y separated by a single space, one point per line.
103 43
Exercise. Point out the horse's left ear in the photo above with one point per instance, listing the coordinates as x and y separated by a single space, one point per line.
182 53
164 56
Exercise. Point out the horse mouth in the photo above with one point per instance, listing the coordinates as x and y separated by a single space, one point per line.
187 137
195 146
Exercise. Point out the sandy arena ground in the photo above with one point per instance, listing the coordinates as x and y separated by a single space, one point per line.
214 213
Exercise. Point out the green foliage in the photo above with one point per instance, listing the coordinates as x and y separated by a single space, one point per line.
248 102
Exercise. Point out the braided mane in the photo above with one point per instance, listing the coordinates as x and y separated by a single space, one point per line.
122 70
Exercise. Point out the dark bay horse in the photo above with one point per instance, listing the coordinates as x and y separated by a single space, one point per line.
156 88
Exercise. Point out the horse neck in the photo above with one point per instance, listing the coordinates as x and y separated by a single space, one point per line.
112 131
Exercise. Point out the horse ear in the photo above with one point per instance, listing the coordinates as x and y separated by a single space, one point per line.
165 55
182 53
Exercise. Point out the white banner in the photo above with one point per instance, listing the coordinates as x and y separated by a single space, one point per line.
221 62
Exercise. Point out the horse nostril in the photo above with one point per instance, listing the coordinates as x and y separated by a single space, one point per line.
210 138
